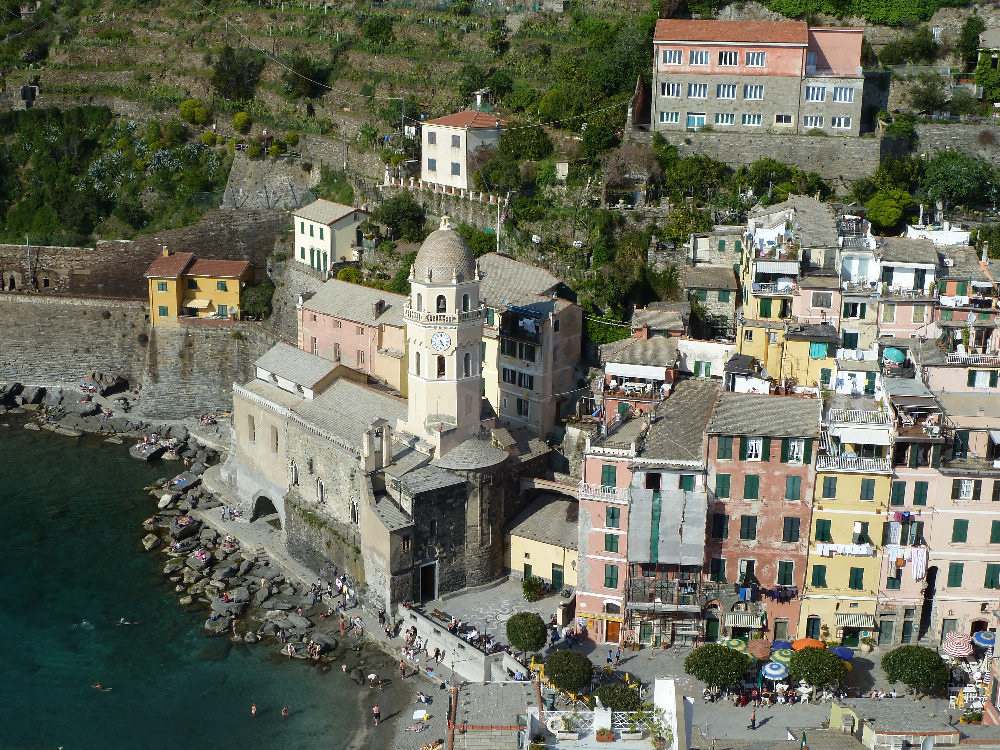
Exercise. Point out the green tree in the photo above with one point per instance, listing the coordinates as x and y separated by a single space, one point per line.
526 632
496 37
599 137
619 697
242 122
377 31
886 209
335 186
255 299
685 219
927 94
819 667
400 282
403 216
717 666
967 45
499 174
194 111
525 142
917 667
903 129
957 178
569 670
236 74
351 274
479 240
305 77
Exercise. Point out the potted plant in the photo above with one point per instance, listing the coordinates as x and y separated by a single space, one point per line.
564 728
604 734
659 733
867 643
634 731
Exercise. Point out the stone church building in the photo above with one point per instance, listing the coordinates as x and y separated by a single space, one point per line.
409 495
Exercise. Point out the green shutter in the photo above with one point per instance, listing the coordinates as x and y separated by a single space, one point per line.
724 296
870 384
722 485
829 487
861 310
992 576
489 316
898 493
857 579
819 576
955 571
960 530
920 493
687 482
825 374
936 456
971 379
994 376
977 489
962 289
995 532
708 369
765 449
725 447
608 475
765 307
823 530
847 308
784 450
751 487
790 532
697 368
914 456
722 246
743 448
807 452
785 569
793 487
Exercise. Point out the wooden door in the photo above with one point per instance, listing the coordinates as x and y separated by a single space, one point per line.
612 631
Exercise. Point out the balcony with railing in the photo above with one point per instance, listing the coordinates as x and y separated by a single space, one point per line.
593 491
783 288
982 360
663 595
851 463
898 292
425 316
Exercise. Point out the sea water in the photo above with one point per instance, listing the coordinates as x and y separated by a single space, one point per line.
71 568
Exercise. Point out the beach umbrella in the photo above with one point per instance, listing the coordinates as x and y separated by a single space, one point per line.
780 644
842 651
802 643
957 644
984 638
893 355
736 644
774 671
760 649
782 655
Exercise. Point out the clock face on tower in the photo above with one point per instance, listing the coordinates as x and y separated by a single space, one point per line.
441 341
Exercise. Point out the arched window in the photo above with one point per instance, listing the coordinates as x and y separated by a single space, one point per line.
420 303
467 369
251 429
612 609
466 302
440 368
320 491
295 475
442 305
354 512
416 364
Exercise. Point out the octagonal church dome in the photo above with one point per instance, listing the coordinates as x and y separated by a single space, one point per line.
445 256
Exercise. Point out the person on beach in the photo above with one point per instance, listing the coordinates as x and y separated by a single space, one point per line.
402 669
371 679
376 714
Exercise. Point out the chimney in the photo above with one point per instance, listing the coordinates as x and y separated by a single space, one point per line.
986 248
166 252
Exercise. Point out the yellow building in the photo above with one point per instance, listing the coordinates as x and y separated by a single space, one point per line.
853 484
184 287
809 356
542 542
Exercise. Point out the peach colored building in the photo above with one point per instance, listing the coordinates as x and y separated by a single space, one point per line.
357 326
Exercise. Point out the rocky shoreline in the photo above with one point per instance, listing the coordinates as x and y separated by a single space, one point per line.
245 595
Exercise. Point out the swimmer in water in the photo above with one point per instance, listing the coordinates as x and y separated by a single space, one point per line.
123 621
99 686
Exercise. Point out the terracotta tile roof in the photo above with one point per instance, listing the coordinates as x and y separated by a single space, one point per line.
754 32
468 118
209 267
169 266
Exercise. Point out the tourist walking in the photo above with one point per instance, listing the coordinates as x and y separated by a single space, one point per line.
610 659
618 657
376 714
402 669
753 719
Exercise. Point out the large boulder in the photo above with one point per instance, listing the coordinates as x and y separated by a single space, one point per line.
177 432
196 562
230 608
224 571
150 542
32 394
52 397
87 409
183 532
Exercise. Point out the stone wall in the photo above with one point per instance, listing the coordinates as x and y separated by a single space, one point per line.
320 542
115 268
839 160
464 210
190 369
47 340
291 279
977 140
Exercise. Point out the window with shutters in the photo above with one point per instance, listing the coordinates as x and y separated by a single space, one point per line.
867 489
920 493
608 475
747 571
748 527
785 570
960 531
819 576
793 487
856 579
992 576
995 532
717 570
861 533
720 526
724 447
610 542
854 310
823 530
610 576
754 448
829 487
613 518
955 572
898 496
686 482
722 482
751 487
796 450
894 581
790 532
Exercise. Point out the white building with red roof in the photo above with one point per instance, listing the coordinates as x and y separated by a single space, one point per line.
448 143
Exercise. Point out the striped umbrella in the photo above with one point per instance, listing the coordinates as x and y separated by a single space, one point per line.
984 638
957 644
780 644
774 671
736 644
782 655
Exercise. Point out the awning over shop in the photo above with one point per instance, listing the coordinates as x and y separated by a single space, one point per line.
650 372
864 437
995 436
790 267
198 304
855 620
742 620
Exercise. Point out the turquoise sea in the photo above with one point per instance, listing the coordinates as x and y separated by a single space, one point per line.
70 568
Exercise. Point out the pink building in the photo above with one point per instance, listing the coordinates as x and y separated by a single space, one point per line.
357 326
908 287
816 299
